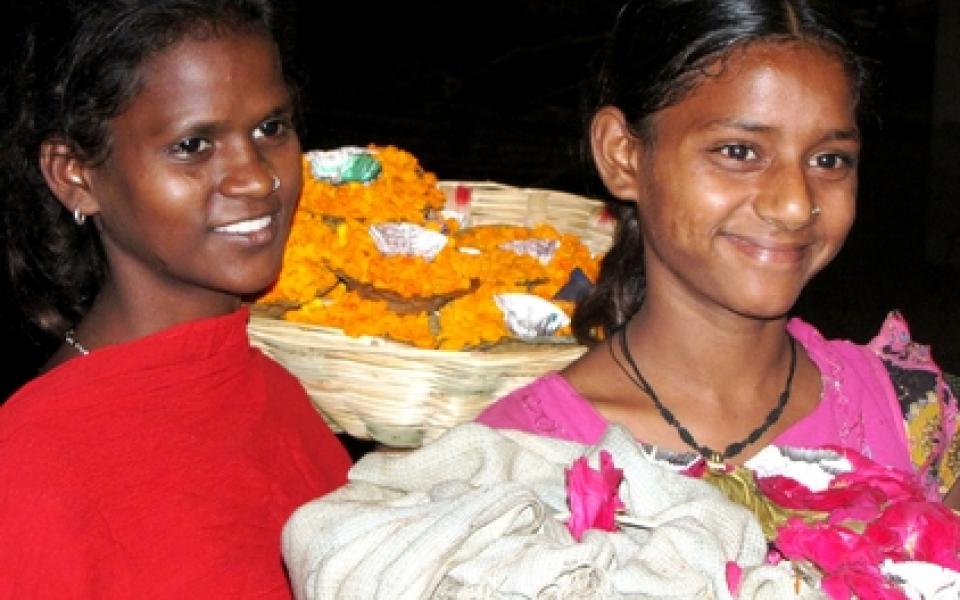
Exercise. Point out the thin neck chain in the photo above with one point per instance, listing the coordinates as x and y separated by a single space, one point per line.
713 458
71 338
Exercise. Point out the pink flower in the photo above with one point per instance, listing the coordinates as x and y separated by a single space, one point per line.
864 582
827 546
860 494
734 577
846 531
592 495
918 530
849 561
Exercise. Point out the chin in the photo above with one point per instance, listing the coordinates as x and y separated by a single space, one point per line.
250 285
759 306
765 310
253 290
766 299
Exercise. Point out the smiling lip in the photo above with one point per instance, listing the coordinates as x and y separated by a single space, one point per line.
246 227
767 251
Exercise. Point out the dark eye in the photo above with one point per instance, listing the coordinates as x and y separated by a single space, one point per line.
272 128
190 146
738 152
830 161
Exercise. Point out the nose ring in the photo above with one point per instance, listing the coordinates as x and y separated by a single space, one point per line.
815 211
276 182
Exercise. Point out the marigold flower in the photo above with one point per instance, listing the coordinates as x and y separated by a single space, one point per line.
336 276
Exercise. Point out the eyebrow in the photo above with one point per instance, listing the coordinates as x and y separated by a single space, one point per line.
755 127
208 128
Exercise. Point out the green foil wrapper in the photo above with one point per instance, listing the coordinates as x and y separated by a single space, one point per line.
343 165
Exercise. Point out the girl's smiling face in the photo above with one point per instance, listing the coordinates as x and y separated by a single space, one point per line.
730 187
187 202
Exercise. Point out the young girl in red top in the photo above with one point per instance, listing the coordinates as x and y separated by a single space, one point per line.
151 170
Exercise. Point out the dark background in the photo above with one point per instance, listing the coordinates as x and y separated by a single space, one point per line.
492 91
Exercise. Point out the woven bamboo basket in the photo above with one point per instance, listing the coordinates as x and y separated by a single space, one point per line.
401 396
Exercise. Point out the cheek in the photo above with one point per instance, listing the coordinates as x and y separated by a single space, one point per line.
838 218
667 211
683 227
288 161
172 202
155 208
674 231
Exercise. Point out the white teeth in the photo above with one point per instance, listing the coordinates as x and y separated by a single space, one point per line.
245 226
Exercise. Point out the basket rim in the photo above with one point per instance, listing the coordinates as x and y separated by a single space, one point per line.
372 387
267 328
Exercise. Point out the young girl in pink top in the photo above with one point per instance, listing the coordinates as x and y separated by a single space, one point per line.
728 134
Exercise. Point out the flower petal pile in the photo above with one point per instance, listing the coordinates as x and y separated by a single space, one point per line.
868 533
865 517
335 274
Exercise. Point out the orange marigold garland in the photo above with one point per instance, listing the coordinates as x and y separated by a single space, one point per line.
336 275
402 191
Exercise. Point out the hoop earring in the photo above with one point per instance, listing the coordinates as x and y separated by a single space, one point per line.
78 217
276 183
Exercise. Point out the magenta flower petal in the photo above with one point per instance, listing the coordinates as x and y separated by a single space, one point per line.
918 530
828 546
593 495
734 576
868 583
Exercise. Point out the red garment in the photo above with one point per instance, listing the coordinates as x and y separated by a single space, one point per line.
160 468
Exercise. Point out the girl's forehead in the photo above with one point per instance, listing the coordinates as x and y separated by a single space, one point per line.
215 79
209 63
771 83
225 46
807 62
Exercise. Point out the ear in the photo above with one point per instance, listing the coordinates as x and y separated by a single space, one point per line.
67 176
617 152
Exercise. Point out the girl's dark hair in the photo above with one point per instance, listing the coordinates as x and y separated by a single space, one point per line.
657 52
78 67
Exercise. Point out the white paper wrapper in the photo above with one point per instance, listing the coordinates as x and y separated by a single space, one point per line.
923 581
530 316
407 239
542 250
812 467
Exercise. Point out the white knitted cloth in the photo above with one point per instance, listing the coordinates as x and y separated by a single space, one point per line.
472 515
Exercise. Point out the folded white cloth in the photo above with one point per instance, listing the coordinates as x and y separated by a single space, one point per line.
472 515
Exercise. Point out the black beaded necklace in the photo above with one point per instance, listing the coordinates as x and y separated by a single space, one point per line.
714 459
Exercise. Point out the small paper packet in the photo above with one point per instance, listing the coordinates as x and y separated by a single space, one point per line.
530 316
407 239
542 250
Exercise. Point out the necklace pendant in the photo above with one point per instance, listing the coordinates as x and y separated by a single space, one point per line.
715 462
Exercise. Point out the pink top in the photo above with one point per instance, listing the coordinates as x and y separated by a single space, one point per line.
858 406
